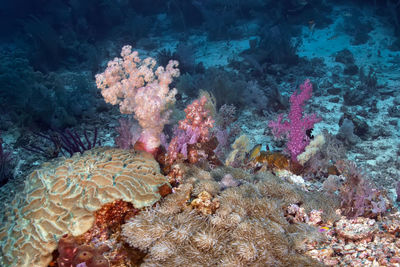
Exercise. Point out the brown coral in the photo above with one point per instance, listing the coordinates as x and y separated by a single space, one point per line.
205 204
108 219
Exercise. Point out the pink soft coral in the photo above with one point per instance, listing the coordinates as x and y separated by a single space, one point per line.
198 120
296 127
195 128
138 88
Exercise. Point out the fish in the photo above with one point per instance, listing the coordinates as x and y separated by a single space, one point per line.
311 26
333 37
254 152
323 229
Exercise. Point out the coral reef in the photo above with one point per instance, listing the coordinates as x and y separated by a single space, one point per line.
359 197
239 150
63 196
247 228
192 141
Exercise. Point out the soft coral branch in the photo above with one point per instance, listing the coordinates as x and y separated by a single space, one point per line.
195 128
297 125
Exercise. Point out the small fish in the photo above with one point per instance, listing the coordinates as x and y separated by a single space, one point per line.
333 37
254 152
311 26
323 229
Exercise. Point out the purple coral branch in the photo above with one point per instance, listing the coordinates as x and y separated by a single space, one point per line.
295 128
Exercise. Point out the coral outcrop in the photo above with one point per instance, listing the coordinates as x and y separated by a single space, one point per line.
62 197
248 227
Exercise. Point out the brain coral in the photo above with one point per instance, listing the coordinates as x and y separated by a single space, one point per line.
61 197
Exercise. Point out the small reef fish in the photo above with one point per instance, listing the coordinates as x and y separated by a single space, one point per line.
311 26
254 152
333 37
323 229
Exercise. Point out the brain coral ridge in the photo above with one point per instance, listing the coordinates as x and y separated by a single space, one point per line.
62 196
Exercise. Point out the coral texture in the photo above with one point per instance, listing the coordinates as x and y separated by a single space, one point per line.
138 88
71 254
358 195
248 228
360 242
62 197
240 148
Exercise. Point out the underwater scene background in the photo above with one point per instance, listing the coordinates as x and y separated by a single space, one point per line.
199 133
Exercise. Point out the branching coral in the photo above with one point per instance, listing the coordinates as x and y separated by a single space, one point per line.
297 125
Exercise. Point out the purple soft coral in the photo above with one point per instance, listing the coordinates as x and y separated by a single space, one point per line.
297 125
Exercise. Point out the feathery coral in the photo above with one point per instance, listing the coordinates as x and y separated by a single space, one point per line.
249 227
